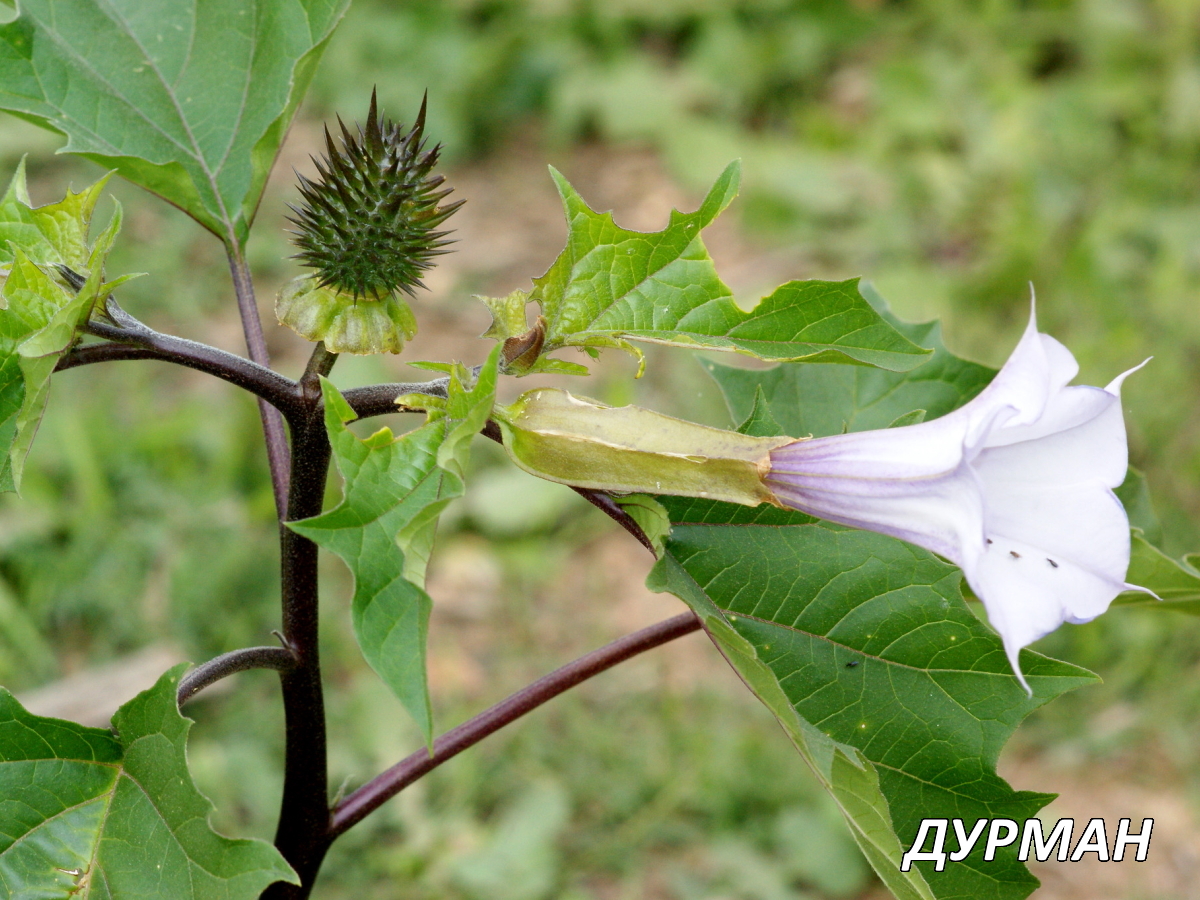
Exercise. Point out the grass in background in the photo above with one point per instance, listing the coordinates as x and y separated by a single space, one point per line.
951 152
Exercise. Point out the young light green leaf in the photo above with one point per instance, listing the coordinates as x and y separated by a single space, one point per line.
41 320
611 286
822 400
916 417
54 234
383 528
40 317
891 689
191 101
89 813
508 315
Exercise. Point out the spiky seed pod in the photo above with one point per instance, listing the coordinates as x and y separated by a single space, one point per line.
368 225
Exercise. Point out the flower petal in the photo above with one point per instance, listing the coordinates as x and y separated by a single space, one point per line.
1027 597
928 450
1080 438
1015 487
1084 525
940 514
1025 382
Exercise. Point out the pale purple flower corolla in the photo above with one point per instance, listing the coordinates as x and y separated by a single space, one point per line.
1015 487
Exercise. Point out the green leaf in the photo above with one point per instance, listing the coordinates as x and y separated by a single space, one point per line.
1134 495
867 638
824 400
191 101
1176 582
12 398
48 235
42 317
895 694
508 315
650 515
89 813
611 286
760 422
383 529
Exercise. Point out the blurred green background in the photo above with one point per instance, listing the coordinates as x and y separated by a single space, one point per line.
952 152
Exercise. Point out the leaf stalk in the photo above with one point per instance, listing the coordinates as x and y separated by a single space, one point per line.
360 803
231 663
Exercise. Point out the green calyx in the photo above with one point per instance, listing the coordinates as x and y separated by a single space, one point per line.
368 226
347 324
576 441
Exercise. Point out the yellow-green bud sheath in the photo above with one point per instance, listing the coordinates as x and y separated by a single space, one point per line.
576 441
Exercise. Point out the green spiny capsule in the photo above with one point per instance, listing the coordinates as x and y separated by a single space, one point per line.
368 225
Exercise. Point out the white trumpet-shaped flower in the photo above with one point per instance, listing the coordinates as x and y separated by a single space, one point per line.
1015 487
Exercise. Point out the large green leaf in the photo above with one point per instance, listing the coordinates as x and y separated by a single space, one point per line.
189 100
823 400
611 285
892 690
91 813
383 528
41 315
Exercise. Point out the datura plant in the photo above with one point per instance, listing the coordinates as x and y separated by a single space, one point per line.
820 542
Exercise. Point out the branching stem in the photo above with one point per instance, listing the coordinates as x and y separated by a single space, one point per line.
142 342
231 663
382 788
380 399
319 364
306 824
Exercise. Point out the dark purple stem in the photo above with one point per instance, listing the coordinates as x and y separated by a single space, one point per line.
306 825
278 454
382 788
145 343
303 835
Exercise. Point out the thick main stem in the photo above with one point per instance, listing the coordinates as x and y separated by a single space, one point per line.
256 345
303 834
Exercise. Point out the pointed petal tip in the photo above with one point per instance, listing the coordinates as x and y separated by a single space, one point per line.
1141 590
1114 386
1013 654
